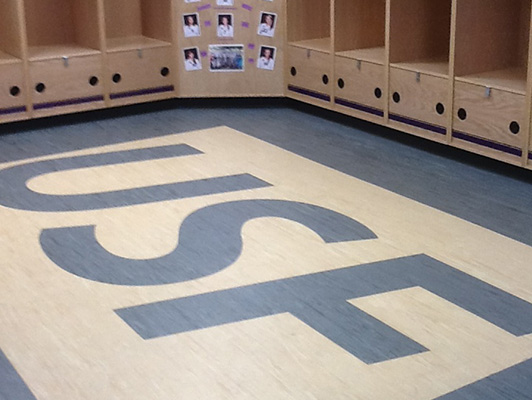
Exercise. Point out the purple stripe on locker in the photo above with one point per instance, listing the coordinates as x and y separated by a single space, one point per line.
487 143
418 124
69 102
310 93
359 107
12 110
142 92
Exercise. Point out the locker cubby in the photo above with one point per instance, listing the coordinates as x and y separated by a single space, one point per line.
309 24
310 66
10 32
420 32
491 63
492 40
137 24
360 30
64 53
61 28
12 87
420 39
147 75
309 75
360 56
138 35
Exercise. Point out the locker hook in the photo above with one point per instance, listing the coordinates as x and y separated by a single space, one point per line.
139 53
418 77
65 61
488 92
359 65
308 53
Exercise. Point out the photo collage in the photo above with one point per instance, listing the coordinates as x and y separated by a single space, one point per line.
225 56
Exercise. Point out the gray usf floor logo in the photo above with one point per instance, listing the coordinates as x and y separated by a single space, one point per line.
210 241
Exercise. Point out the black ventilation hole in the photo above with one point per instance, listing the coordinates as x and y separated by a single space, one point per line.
40 87
93 81
325 79
462 114
514 127
396 97
378 93
440 108
14 91
165 71
117 78
293 71
341 83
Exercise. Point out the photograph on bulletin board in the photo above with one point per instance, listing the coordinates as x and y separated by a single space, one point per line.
226 58
191 25
266 58
267 24
225 26
192 60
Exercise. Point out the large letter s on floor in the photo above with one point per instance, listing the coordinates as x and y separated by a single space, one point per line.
209 241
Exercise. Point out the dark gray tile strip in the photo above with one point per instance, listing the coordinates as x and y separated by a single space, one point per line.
320 300
16 194
12 386
514 383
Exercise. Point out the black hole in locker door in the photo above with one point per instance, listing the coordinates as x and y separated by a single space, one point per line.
440 108
117 78
341 83
378 93
325 79
396 97
40 87
165 71
462 114
514 127
93 81
14 91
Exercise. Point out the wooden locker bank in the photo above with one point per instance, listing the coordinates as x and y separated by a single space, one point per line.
454 71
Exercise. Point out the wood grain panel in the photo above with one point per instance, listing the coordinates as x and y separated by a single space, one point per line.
418 100
489 117
361 81
419 29
359 24
10 28
310 68
308 19
66 87
140 72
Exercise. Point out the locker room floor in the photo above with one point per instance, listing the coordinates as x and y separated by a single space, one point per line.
208 249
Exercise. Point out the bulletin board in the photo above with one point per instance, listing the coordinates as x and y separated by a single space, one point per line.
230 47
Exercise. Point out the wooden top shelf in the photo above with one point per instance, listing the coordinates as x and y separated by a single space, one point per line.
41 53
509 79
8 59
321 44
375 55
129 43
435 66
